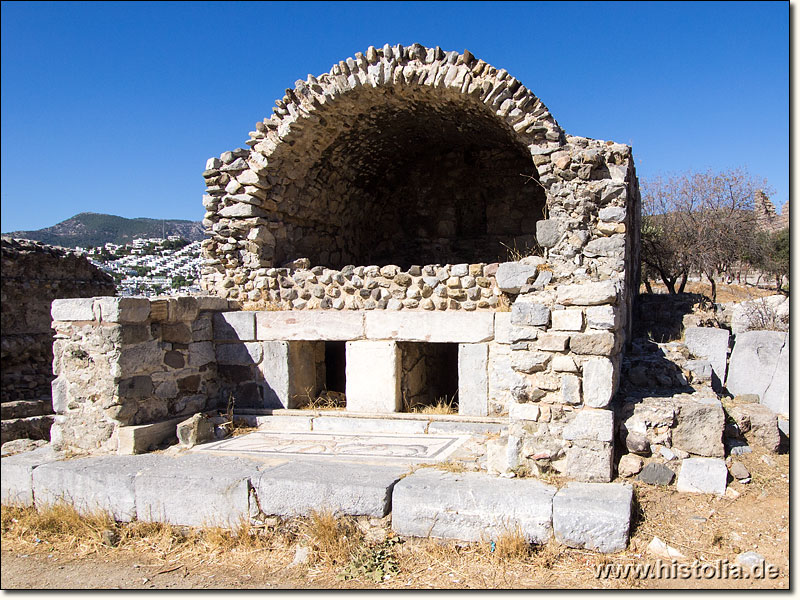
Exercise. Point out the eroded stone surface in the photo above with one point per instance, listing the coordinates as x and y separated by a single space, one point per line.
595 516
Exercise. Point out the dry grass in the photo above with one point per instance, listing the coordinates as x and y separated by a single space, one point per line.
442 406
332 540
326 400
511 545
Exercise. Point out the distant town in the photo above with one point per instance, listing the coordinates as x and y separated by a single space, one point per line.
150 266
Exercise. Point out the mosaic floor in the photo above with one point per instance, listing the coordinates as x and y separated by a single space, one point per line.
380 446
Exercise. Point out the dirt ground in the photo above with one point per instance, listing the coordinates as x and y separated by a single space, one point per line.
703 528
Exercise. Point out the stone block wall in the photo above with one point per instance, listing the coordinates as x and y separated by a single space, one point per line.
32 276
129 361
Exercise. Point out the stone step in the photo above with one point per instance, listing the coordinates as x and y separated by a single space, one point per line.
472 506
298 488
342 422
25 408
35 428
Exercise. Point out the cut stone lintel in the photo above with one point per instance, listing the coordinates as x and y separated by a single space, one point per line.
309 325
373 377
440 327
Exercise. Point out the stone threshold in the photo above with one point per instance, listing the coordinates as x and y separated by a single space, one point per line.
297 412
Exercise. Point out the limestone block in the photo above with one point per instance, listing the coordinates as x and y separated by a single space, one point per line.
562 363
567 320
759 365
710 343
699 427
112 309
502 378
612 214
497 455
438 327
465 428
570 389
598 382
529 362
511 276
592 343
605 246
703 476
249 353
312 325
473 379
760 423
589 461
197 490
524 411
604 316
369 425
214 303
553 342
91 484
373 376
502 327
136 439
197 429
589 424
289 373
16 474
587 294
72 309
301 487
471 506
595 516
548 232
235 326
201 353
529 313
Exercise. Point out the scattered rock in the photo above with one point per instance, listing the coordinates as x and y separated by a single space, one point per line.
658 548
760 422
749 560
302 554
657 474
680 453
768 461
699 427
703 476
198 429
667 453
630 465
731 493
739 471
21 445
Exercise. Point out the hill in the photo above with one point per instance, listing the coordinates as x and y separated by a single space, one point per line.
93 229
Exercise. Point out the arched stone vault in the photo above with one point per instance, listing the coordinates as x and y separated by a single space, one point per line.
410 155
400 155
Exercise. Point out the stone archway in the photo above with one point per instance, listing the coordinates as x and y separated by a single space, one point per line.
397 156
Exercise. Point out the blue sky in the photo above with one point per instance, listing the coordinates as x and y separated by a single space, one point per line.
114 107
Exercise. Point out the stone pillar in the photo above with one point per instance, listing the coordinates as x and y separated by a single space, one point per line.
473 379
373 377
289 372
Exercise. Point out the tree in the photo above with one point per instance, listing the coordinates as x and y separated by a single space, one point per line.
697 222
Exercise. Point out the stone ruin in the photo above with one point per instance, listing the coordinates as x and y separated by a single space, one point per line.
33 275
767 218
412 226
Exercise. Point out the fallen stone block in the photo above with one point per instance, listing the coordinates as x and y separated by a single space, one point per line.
656 474
712 344
197 490
136 439
595 516
759 424
197 429
699 425
300 488
760 365
16 474
630 465
89 485
471 506
703 476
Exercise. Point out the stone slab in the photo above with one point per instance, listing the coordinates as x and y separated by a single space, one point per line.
587 294
710 343
473 379
115 309
289 373
439 327
511 276
300 488
759 365
356 425
595 516
16 474
94 484
235 326
471 506
197 490
278 423
372 374
309 325
703 476
136 439
460 428
72 309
